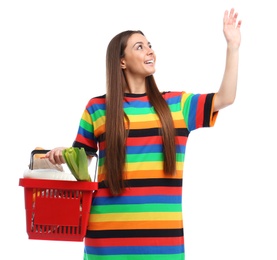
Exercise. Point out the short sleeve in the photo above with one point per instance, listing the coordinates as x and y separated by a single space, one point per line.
197 110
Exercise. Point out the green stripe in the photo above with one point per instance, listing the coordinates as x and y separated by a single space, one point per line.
144 157
186 108
151 157
158 207
175 107
149 111
84 124
97 114
180 157
101 161
139 111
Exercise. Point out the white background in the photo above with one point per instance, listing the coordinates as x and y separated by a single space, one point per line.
52 60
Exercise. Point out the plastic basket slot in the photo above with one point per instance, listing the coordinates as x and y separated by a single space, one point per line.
54 231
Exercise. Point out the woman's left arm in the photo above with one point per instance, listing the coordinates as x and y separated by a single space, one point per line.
227 92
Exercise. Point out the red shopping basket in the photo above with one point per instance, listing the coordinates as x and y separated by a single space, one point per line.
57 209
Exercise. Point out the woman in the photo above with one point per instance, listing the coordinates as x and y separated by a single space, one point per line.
140 135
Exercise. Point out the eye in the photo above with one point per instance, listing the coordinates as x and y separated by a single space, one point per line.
150 46
140 47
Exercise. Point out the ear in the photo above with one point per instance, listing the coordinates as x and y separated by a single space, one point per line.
122 64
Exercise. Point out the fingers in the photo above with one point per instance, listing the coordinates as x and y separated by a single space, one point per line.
230 18
231 13
235 18
239 24
225 18
228 15
55 156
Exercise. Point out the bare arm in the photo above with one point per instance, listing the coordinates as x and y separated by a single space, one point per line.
227 92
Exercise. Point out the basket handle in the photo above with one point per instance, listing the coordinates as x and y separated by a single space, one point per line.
36 151
94 155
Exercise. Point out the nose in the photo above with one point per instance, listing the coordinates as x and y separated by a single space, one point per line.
150 51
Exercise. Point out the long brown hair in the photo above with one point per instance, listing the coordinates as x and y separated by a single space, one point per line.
116 133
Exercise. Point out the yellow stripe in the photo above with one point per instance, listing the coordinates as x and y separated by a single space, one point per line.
144 166
144 174
86 116
99 122
185 96
144 118
143 216
178 116
153 117
140 166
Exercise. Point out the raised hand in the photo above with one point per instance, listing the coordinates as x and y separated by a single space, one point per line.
231 28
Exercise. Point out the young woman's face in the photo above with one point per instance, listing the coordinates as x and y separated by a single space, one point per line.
139 59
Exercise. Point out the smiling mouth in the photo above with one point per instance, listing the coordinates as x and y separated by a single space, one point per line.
149 62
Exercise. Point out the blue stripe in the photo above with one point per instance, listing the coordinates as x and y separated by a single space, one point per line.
136 104
192 112
180 148
173 100
102 153
135 250
157 148
94 107
86 134
136 200
152 149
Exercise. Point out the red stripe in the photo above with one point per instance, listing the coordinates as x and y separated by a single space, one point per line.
182 139
86 141
142 99
93 101
200 114
145 241
171 94
144 191
133 141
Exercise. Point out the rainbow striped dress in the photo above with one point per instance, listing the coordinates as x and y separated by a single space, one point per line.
145 222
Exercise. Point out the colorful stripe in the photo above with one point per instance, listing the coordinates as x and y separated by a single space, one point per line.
145 222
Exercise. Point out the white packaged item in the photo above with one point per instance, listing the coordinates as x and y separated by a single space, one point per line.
49 174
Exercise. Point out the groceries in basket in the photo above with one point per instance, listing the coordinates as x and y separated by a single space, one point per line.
75 158
38 160
41 168
77 162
